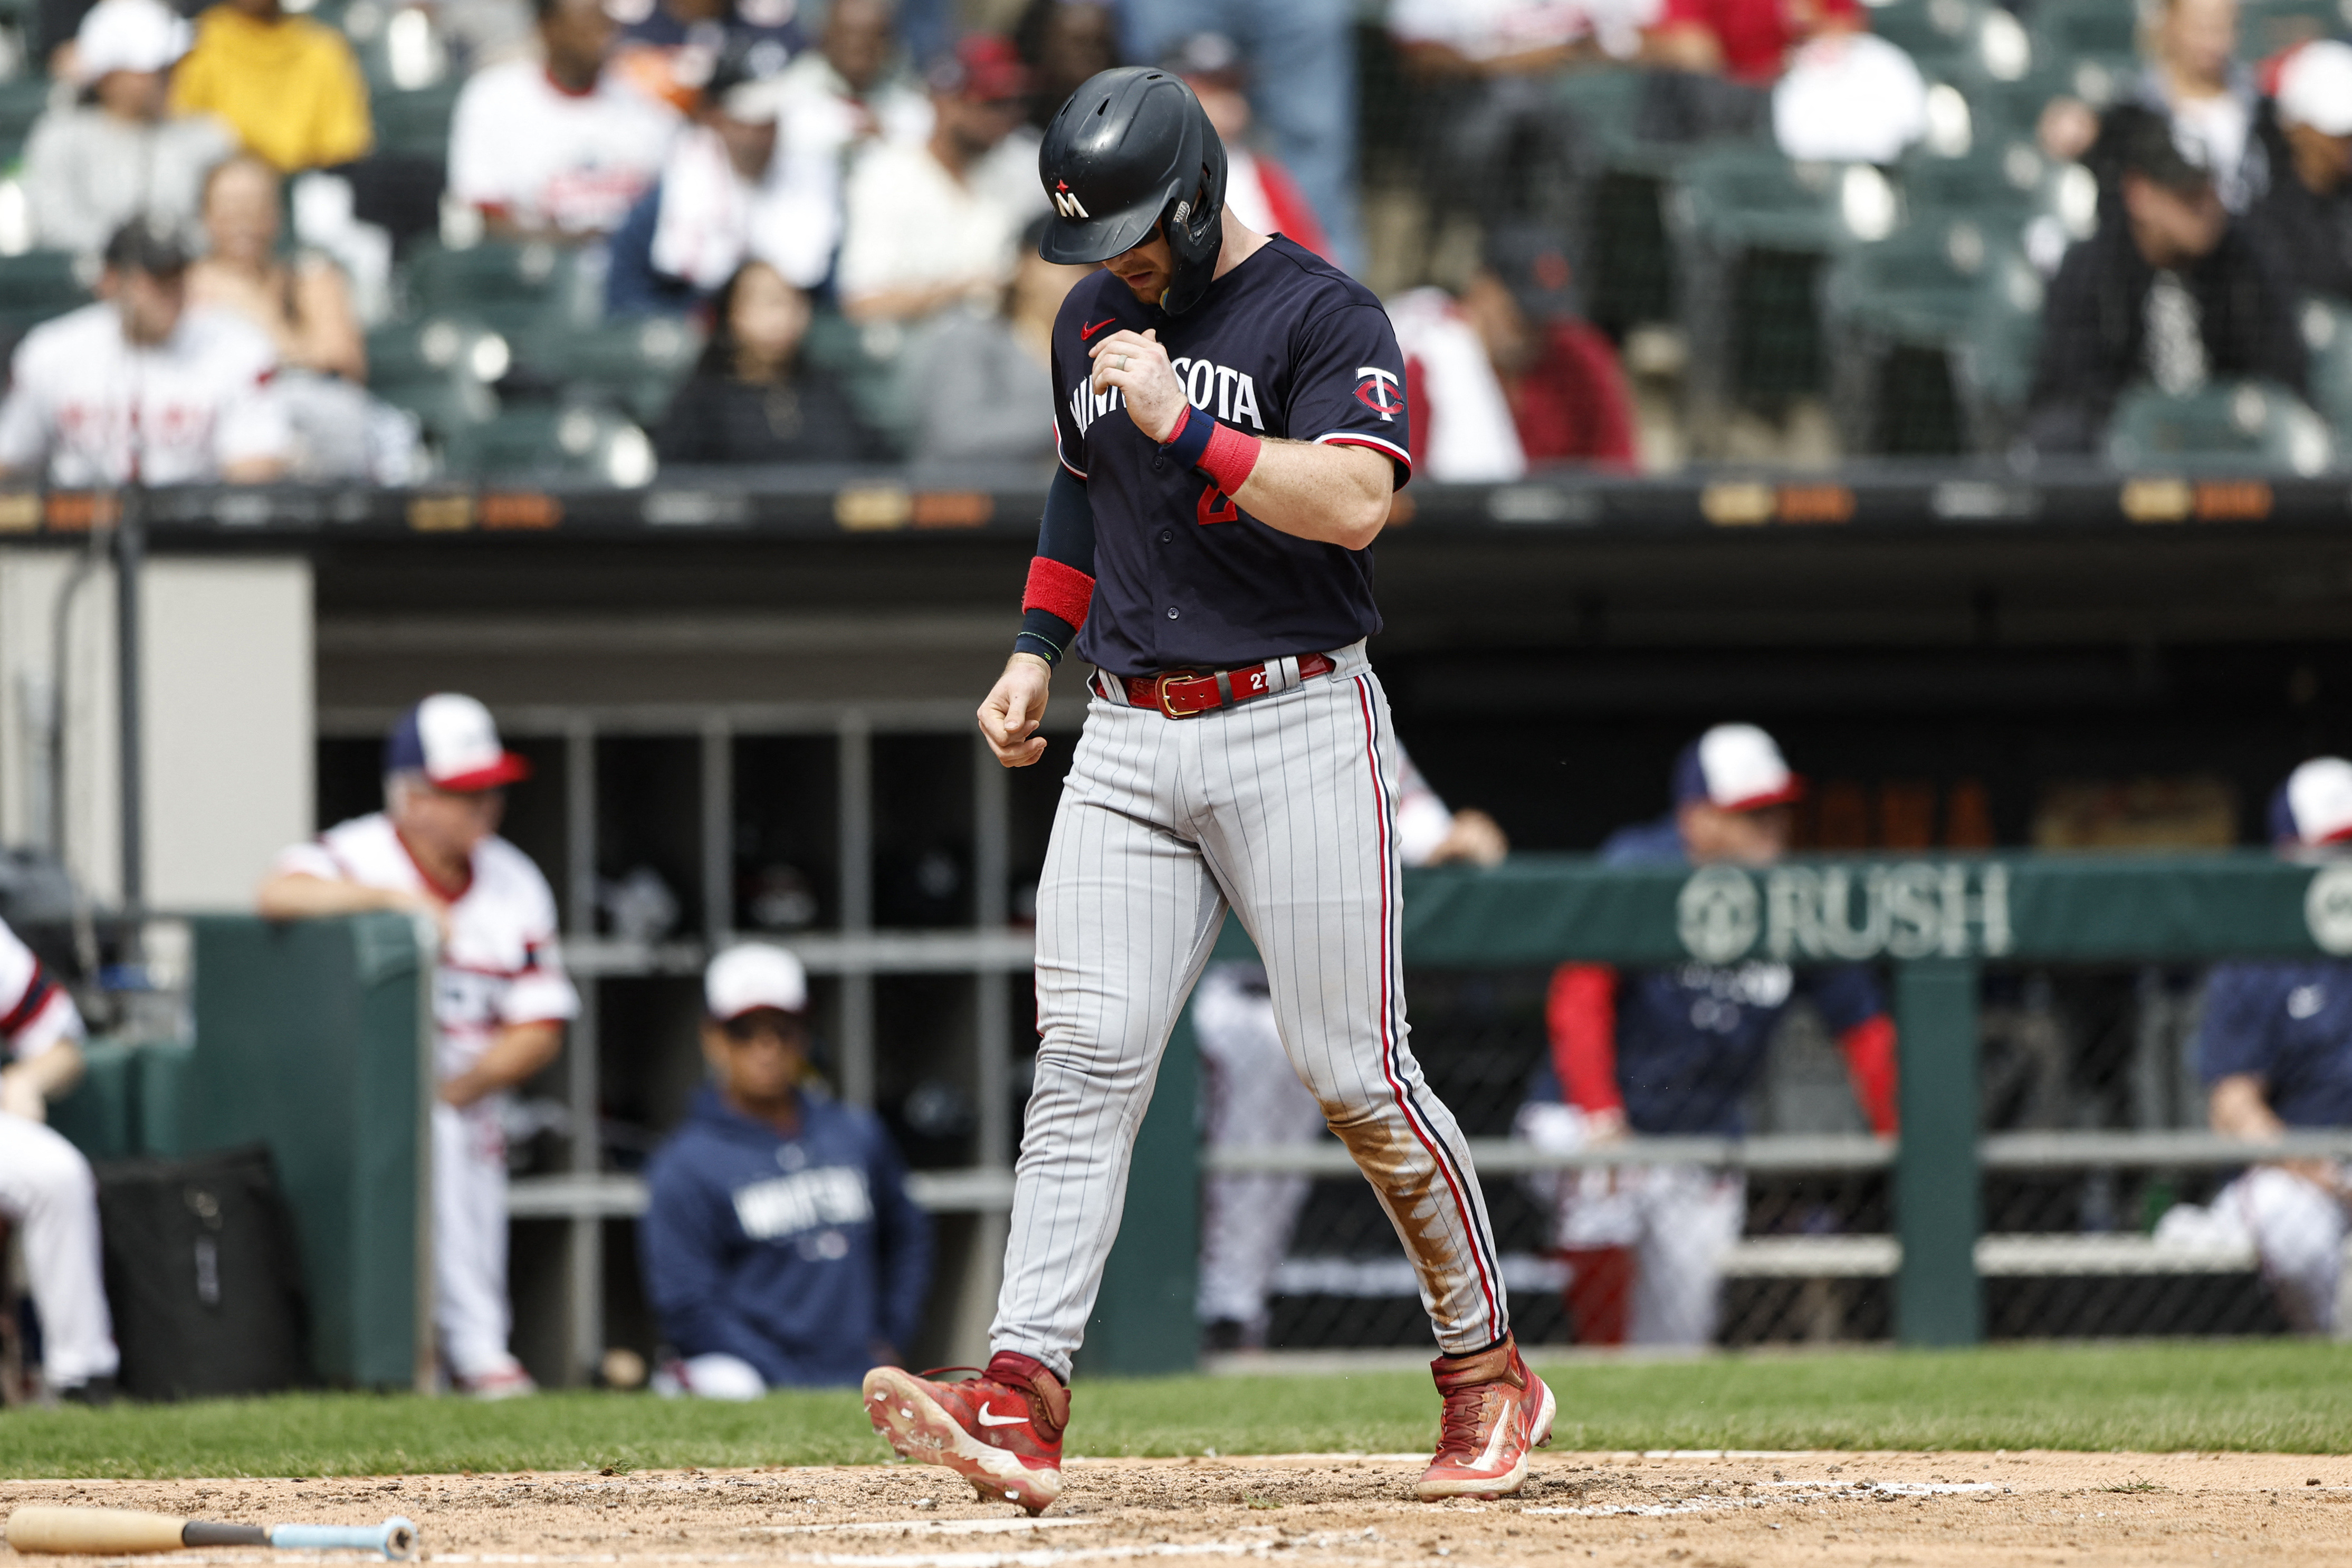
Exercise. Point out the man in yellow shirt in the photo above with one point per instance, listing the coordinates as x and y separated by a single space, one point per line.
290 87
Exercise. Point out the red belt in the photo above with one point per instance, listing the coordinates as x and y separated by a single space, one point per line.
1188 693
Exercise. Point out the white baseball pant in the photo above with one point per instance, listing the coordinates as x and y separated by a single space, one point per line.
1679 1221
469 1236
1282 808
48 1191
2297 1229
1252 1098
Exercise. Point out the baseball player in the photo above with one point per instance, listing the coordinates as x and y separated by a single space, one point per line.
1253 1100
1675 1051
47 1189
780 1245
500 995
2274 1049
1231 429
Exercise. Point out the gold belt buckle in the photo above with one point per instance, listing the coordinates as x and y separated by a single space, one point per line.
1160 689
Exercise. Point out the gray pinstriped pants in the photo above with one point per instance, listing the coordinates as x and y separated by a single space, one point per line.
1284 809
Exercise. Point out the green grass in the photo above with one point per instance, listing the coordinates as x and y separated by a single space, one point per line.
2279 1396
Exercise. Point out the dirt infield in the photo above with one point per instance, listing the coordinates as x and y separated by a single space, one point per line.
1694 1510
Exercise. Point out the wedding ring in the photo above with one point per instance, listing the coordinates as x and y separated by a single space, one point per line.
1122 363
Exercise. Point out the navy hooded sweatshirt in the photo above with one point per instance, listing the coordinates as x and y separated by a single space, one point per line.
798 1255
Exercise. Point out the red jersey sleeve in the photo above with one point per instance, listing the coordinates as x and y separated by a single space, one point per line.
1580 1015
1869 1051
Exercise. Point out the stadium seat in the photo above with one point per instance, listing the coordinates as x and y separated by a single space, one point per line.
441 370
2231 426
1964 42
638 362
2072 29
515 288
1899 316
23 99
2266 26
2327 332
40 284
414 124
554 444
877 385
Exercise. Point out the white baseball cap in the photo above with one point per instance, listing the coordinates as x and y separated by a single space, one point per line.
1734 767
2314 805
451 739
127 36
754 976
2316 88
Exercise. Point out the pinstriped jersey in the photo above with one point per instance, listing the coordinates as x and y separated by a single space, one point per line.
498 965
1284 345
35 1011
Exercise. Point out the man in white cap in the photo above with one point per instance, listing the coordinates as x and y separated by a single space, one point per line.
2306 212
502 997
780 1245
93 166
1674 1052
2274 1049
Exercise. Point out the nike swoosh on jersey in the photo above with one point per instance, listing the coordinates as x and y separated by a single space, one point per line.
990 1419
1085 333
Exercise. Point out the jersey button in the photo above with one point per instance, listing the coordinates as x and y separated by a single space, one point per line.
1171 612
1166 534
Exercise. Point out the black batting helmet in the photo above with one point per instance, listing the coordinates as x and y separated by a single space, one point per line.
1130 149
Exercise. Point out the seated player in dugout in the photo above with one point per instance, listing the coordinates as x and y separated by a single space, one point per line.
500 996
1669 1052
2274 1049
780 1245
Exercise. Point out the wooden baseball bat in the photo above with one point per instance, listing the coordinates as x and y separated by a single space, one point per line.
119 1531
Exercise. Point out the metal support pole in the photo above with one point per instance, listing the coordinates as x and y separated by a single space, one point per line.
583 1334
130 557
718 832
1938 1198
855 783
992 1036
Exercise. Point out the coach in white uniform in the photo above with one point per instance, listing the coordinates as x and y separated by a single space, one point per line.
47 1190
502 997
141 387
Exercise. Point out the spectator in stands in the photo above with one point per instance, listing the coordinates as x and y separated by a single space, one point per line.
2305 214
1301 55
1749 41
726 193
47 1189
848 92
1558 373
2169 289
923 227
1460 420
122 155
983 386
2274 1049
501 997
304 304
291 88
141 388
1259 190
560 149
2195 79
779 1245
1251 1096
750 399
1063 42
668 48
1674 1052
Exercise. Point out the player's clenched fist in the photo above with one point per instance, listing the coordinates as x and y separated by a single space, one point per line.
1014 708
1136 365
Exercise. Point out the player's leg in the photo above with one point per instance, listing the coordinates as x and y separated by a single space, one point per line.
1691 1216
2298 1229
1299 828
1252 1098
47 1188
1126 915
469 1251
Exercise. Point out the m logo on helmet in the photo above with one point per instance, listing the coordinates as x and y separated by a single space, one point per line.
1066 204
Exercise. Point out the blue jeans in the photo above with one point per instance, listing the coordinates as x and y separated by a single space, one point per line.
1302 62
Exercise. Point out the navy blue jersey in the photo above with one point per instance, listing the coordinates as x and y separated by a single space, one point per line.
799 1255
1692 1041
1283 346
2288 1023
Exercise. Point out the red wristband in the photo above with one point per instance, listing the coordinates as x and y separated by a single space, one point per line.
1229 459
1058 589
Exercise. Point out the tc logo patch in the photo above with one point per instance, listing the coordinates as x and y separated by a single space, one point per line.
1377 391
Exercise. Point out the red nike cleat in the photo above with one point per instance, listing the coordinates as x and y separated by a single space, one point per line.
1495 1410
1001 1430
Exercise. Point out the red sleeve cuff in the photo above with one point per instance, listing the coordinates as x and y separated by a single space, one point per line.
1059 590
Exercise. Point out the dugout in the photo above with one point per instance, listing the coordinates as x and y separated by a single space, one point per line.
761 693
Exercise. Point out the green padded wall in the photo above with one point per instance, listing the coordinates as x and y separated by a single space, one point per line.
99 1115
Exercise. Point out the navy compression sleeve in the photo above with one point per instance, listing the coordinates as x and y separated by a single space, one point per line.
1062 577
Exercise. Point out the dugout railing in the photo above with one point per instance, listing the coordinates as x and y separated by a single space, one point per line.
1935 923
